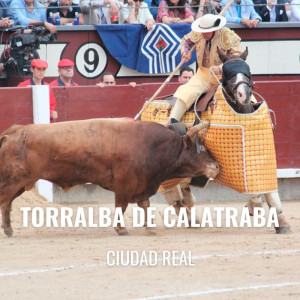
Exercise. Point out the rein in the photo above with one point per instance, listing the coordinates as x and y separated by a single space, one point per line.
233 86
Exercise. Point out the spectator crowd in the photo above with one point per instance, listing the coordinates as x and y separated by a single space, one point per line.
147 12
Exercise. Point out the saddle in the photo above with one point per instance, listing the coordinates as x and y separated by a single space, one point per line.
206 100
203 101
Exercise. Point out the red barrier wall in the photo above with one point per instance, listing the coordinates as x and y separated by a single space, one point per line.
284 98
15 107
112 101
125 101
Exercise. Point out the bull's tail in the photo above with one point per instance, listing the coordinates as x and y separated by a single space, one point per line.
9 131
2 139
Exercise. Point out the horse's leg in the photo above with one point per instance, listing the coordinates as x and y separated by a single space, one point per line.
145 204
174 197
181 196
255 201
273 200
189 199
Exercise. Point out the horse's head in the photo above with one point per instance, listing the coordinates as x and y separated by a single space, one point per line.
236 80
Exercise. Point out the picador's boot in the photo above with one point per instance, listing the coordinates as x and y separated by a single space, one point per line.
176 115
178 111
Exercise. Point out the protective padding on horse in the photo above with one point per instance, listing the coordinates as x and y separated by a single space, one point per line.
243 145
159 111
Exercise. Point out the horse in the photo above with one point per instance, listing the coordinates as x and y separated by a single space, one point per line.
237 82
237 89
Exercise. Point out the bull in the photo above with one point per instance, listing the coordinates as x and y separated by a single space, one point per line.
130 158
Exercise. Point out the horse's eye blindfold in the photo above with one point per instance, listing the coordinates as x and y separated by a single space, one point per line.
232 68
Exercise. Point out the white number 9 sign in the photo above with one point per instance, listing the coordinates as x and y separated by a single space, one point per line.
90 60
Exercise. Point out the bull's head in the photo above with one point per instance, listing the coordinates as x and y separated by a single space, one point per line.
198 162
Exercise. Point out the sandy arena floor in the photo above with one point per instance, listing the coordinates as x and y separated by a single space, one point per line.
70 263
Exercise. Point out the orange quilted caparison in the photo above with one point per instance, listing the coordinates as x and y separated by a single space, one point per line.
243 144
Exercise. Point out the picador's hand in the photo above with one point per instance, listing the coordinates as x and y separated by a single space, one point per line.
188 45
178 127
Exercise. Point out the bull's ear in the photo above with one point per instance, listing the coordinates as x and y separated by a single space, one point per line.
244 55
187 142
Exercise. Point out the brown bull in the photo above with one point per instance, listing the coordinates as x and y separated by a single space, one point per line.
131 158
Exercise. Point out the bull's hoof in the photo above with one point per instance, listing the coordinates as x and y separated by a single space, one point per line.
8 231
283 230
122 231
150 230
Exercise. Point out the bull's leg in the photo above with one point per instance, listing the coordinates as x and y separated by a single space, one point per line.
123 204
255 201
6 225
273 200
145 204
5 211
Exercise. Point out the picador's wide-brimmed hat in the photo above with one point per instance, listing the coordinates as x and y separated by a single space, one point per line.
208 23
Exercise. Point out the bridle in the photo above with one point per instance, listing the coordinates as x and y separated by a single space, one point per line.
234 86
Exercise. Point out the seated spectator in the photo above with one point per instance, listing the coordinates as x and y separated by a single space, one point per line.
29 12
38 70
241 11
132 14
270 12
185 74
203 7
109 79
5 22
101 11
295 11
169 13
65 74
153 6
66 10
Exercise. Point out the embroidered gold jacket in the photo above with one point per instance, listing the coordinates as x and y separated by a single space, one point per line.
226 39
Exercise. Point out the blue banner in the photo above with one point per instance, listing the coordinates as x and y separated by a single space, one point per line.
151 52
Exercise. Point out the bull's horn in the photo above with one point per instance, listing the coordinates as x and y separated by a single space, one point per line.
192 131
